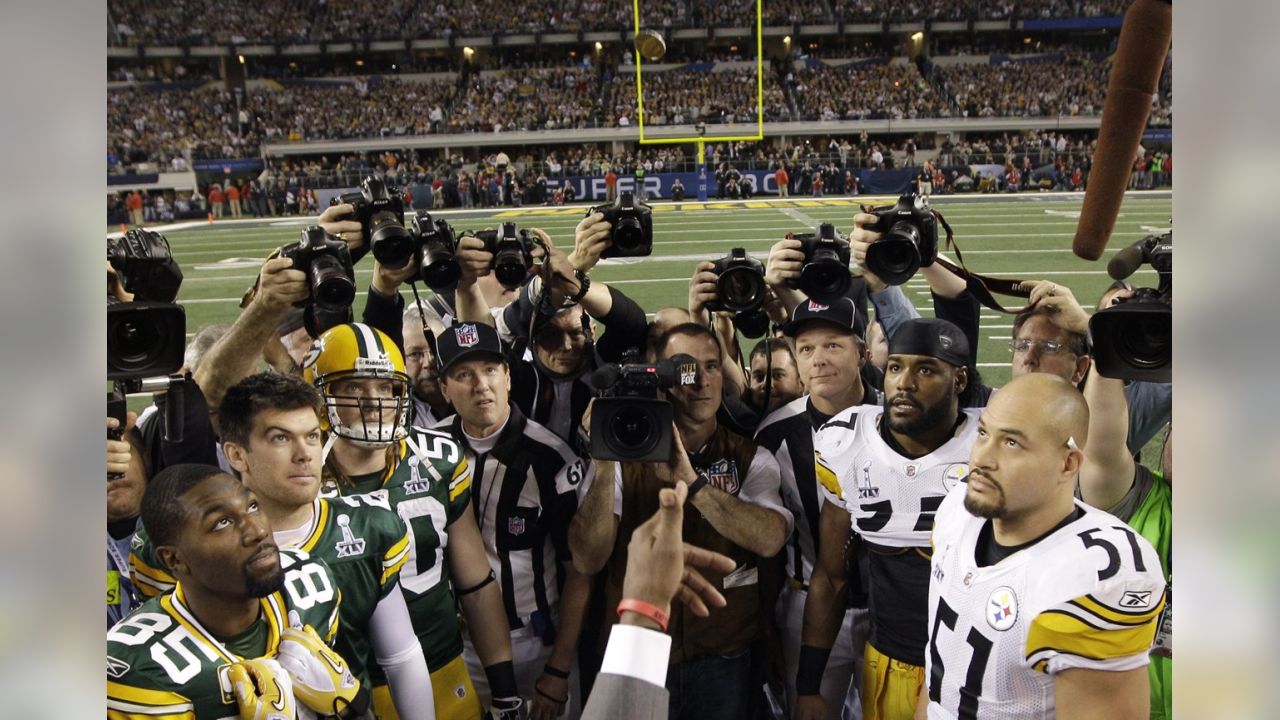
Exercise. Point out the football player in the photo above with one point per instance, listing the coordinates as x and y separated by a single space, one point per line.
361 375
1039 604
272 439
885 469
239 636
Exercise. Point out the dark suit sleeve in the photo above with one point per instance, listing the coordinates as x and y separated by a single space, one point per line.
386 314
619 696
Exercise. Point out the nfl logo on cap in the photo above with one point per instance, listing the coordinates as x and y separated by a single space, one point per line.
816 307
466 335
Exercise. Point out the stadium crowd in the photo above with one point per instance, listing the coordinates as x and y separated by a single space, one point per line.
527 99
866 92
677 97
361 516
1072 86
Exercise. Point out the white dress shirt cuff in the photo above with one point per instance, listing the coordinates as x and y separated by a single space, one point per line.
639 653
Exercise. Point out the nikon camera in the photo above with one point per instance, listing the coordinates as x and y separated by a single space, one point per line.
380 210
512 250
629 421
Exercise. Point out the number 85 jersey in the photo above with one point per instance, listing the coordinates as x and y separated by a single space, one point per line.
1087 595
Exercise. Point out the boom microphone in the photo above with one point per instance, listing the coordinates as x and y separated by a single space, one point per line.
1144 44
1126 262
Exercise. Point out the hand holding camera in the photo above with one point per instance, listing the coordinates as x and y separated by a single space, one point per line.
631 221
590 241
786 260
907 239
281 285
348 231
702 289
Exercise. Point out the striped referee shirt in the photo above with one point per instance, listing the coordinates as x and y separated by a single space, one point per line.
524 492
788 433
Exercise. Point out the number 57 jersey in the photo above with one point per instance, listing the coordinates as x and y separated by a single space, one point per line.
1087 595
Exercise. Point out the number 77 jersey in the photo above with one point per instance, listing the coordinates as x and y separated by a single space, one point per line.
1087 595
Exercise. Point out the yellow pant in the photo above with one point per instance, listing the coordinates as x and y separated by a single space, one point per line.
455 698
890 687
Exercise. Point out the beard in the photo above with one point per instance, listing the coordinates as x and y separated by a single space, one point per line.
928 419
982 507
262 586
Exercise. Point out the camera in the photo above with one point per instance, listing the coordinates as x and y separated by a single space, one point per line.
380 210
145 266
330 275
632 223
908 242
144 339
825 274
512 250
629 421
436 245
740 289
1133 340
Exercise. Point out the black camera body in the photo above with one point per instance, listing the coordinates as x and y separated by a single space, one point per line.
330 274
144 339
512 250
630 421
1133 340
632 226
380 210
145 265
908 239
740 289
825 274
437 246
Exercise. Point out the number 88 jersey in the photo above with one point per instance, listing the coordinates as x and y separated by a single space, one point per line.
1088 595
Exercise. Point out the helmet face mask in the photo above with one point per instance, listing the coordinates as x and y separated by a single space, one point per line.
360 373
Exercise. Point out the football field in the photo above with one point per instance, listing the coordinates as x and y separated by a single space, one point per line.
1014 236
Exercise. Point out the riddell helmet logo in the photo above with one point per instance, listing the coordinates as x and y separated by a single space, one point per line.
466 335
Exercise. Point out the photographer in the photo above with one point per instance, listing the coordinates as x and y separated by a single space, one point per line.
734 486
771 361
551 319
127 475
703 291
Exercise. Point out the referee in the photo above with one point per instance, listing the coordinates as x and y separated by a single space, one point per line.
524 492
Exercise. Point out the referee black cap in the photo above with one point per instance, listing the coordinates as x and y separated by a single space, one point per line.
461 341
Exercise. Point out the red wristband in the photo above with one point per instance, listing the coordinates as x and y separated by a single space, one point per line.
641 607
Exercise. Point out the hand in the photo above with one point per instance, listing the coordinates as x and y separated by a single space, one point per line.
348 231
550 696
558 277
810 707
660 566
474 260
590 239
859 240
322 680
785 262
702 290
678 469
506 708
280 285
1059 304
262 689
120 452
388 280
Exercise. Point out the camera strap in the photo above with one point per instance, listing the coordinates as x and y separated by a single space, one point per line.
982 286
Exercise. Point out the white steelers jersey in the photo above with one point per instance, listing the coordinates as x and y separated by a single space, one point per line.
1088 595
891 498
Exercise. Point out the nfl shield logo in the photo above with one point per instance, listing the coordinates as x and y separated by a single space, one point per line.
466 335
515 526
817 307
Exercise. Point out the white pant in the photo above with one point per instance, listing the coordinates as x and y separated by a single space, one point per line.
529 656
843 677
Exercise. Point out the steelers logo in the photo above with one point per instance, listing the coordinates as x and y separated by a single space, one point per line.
954 474
1002 608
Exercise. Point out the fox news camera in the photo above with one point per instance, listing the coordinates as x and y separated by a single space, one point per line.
630 421
1133 340
146 336
632 222
740 289
908 241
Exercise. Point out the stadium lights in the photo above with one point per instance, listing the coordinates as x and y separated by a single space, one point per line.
468 51
787 41
917 37
599 46
241 58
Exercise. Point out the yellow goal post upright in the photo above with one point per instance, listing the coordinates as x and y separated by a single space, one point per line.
701 140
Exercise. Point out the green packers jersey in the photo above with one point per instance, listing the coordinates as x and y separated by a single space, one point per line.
161 663
364 543
429 486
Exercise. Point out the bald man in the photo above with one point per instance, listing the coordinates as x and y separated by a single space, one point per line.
1038 603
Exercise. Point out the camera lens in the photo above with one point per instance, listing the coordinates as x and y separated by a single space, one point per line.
740 289
895 257
440 268
134 342
392 245
509 268
628 235
1146 340
632 432
825 278
330 286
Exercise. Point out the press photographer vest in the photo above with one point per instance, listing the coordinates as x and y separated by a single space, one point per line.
725 459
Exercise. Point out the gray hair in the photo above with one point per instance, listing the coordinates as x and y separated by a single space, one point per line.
201 343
